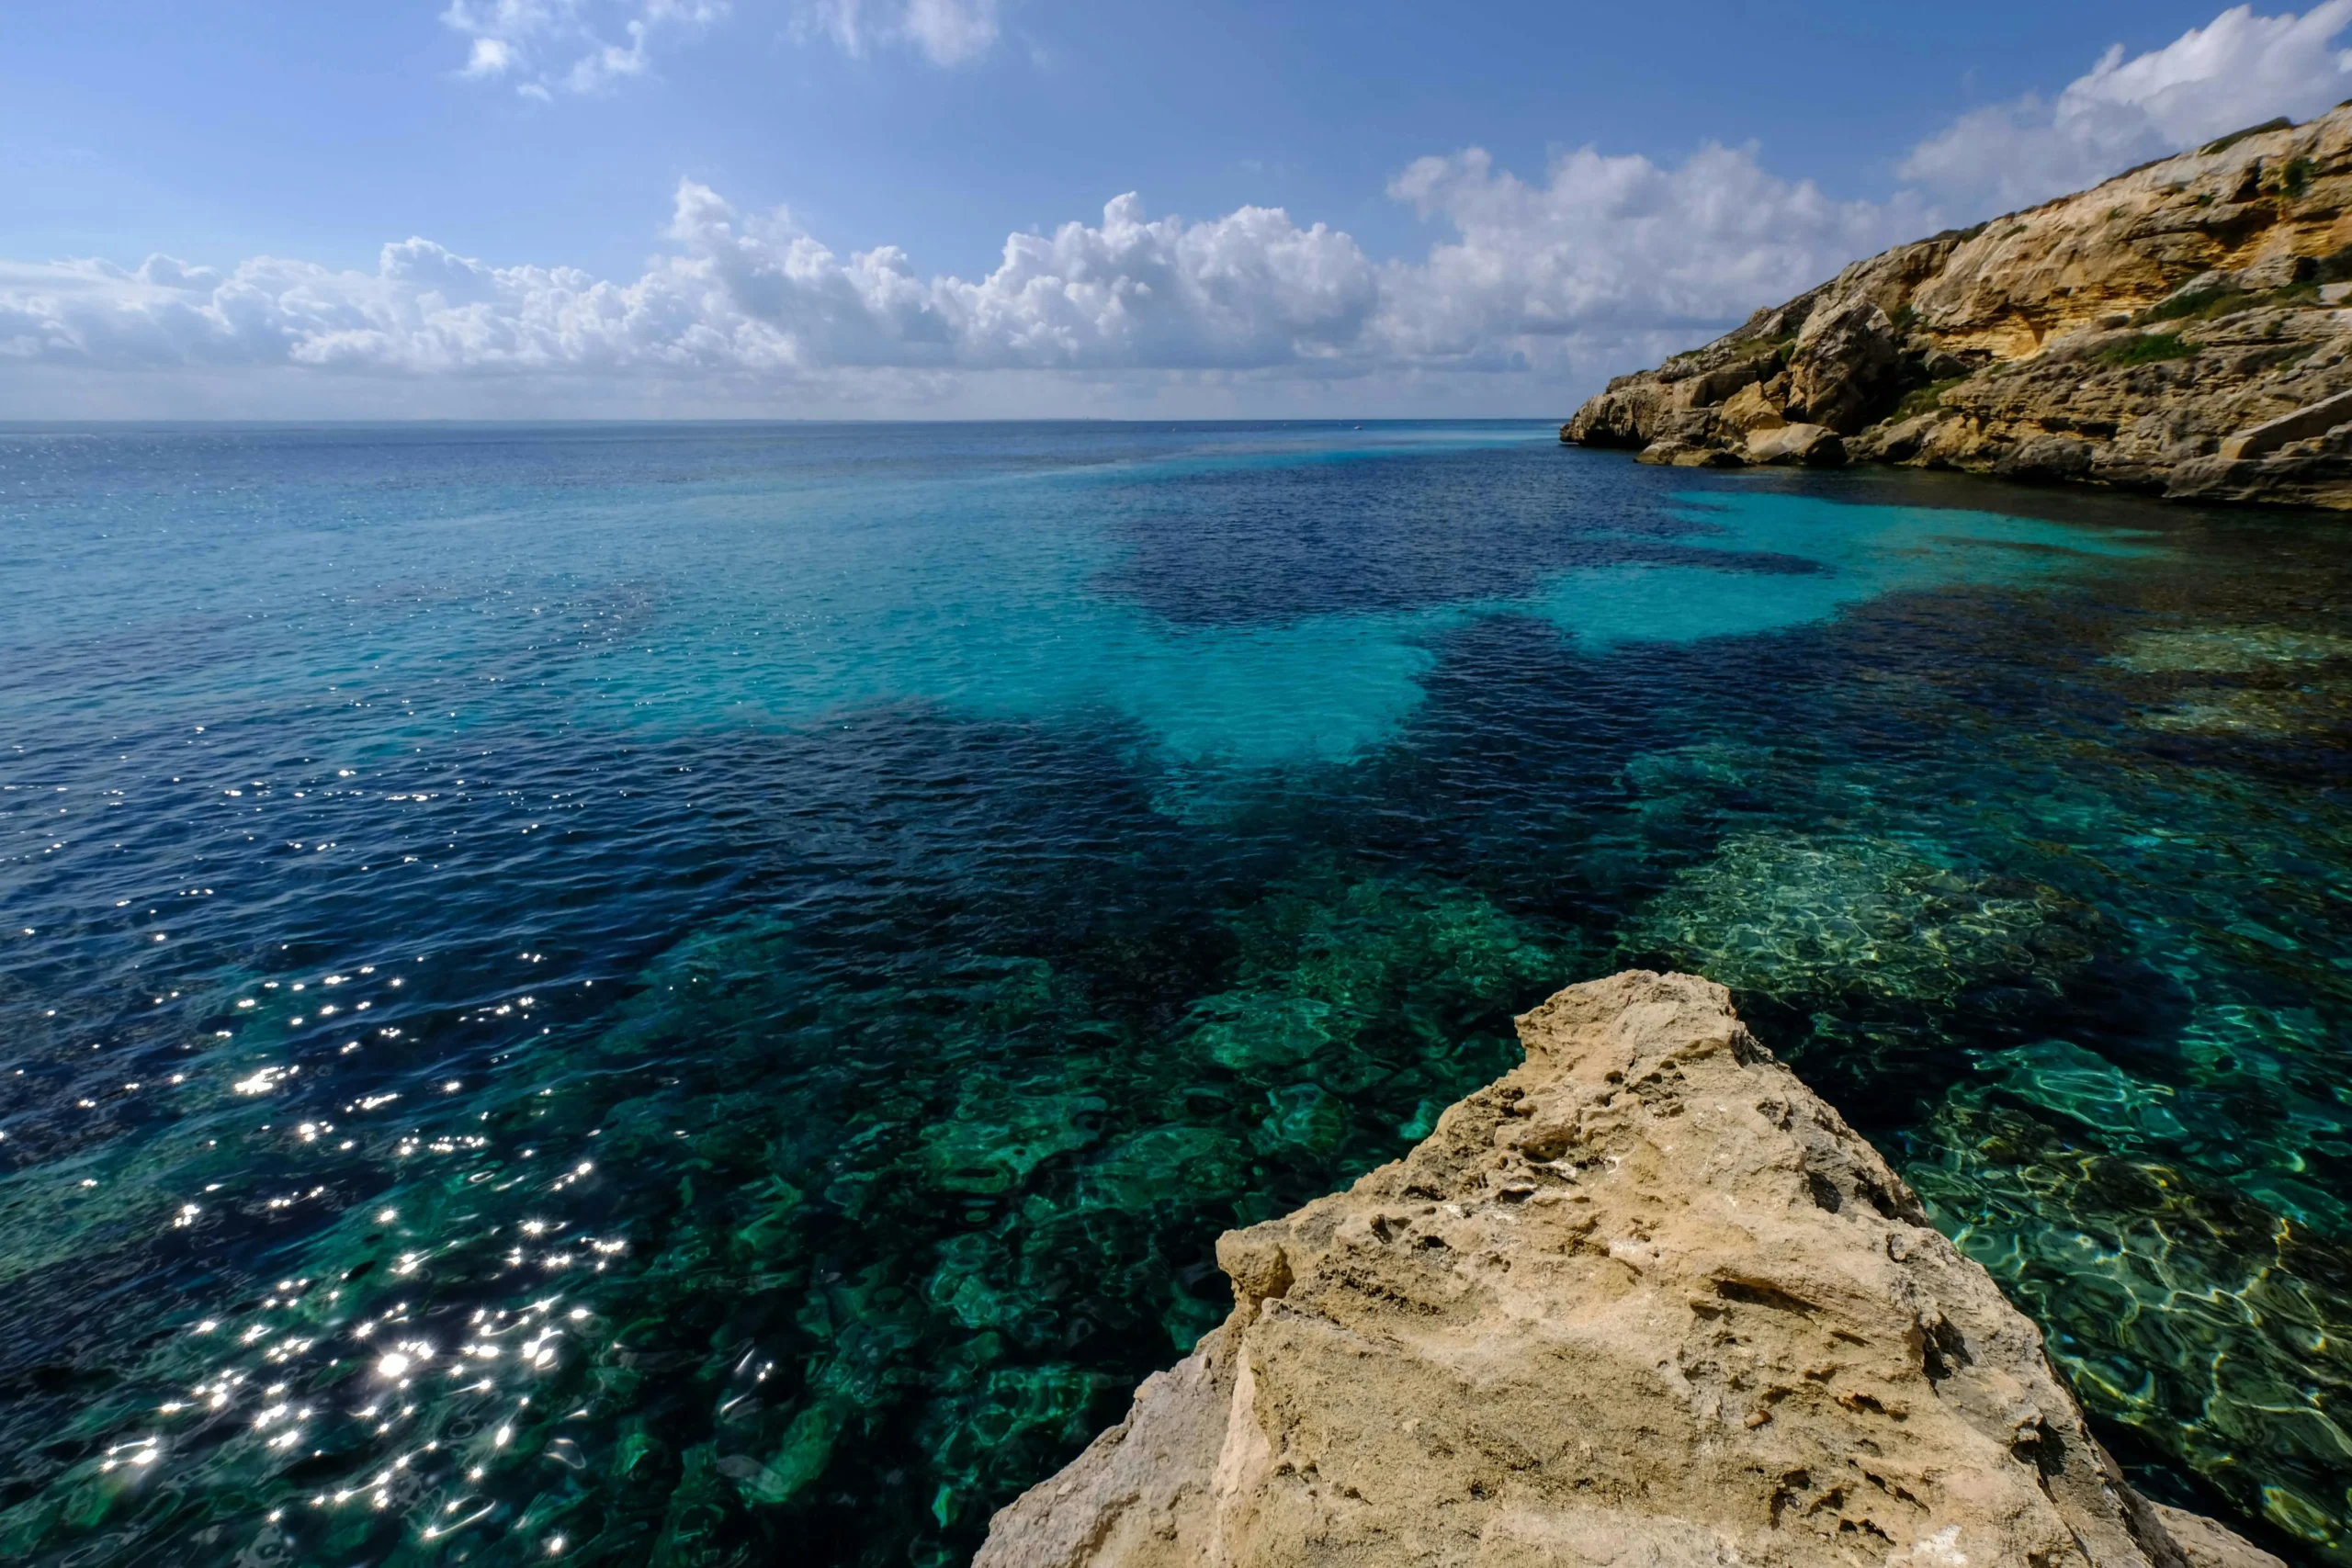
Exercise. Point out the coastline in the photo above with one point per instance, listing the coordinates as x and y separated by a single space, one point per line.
1645 1297
2181 331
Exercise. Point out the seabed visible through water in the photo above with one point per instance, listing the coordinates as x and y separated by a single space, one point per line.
676 994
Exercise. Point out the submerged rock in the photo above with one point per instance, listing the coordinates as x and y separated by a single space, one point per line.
1643 1300
2226 650
2178 330
2288 682
2232 710
2200 1269
1788 916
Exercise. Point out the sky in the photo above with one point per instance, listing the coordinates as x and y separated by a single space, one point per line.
977 208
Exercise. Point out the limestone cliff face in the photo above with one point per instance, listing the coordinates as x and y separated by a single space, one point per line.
2179 330
1643 1301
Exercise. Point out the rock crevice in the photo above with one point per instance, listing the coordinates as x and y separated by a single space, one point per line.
2181 329
1645 1300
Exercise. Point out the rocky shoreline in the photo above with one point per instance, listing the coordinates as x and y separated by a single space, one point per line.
2184 329
1645 1300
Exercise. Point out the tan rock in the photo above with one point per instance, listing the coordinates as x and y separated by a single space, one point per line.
1816 446
2038 329
2278 269
1844 365
1674 452
2205 1544
1645 1300
2045 458
2272 434
1895 440
1749 410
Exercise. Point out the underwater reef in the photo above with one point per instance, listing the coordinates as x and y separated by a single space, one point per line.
1644 1299
729 1142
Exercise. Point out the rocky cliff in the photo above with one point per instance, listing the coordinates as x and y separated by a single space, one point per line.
1644 1301
2180 330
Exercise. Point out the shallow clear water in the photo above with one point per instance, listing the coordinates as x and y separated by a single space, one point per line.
685 994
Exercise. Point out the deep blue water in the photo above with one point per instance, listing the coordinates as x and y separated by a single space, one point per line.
701 994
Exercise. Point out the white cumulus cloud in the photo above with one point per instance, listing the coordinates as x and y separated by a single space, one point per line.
1604 262
544 47
1606 258
947 32
1610 254
2237 70
1541 286
740 295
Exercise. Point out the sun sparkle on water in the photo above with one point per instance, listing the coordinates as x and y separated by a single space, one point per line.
714 998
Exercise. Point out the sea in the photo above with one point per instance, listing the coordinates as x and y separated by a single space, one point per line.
700 994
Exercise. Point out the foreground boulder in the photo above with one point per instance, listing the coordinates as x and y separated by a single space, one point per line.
1643 1301
2181 329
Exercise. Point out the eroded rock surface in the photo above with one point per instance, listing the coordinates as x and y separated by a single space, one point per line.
1645 1300
2180 330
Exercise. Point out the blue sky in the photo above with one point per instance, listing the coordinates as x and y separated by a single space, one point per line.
802 206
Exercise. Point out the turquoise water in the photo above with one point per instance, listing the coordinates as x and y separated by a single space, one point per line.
691 994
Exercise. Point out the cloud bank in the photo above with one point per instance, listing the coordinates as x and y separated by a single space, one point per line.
2236 71
1605 254
1611 252
1540 287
